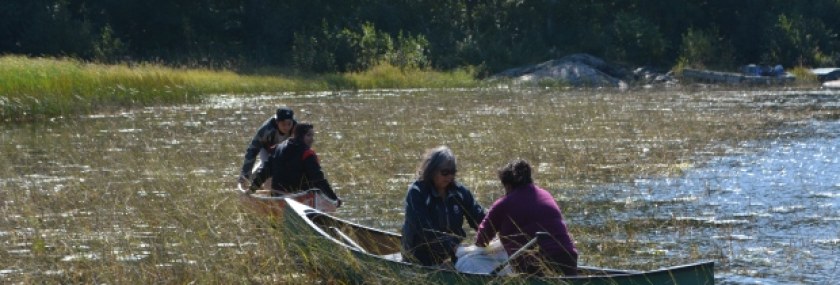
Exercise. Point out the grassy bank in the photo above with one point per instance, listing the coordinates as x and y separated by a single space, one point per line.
41 88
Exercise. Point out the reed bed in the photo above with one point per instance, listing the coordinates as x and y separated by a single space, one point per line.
43 88
143 196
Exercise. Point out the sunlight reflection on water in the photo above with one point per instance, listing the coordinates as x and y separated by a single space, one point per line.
774 208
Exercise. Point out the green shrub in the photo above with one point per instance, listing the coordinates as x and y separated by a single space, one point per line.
705 49
108 48
804 76
331 50
636 39
313 52
410 52
801 40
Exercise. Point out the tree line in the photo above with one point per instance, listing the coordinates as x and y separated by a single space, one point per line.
488 35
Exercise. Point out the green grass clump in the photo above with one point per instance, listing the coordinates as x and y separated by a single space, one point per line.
389 76
40 88
32 88
804 76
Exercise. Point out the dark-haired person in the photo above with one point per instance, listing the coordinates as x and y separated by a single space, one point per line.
525 210
294 166
273 131
435 209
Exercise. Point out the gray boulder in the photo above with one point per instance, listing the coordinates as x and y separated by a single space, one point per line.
580 70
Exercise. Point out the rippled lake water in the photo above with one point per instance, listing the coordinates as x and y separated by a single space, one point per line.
771 208
118 189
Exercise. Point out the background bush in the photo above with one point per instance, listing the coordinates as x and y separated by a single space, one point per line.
492 35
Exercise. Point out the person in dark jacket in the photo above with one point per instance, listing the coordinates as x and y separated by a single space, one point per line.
435 209
525 210
294 166
272 132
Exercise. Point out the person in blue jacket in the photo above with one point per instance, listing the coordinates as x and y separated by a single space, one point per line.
436 207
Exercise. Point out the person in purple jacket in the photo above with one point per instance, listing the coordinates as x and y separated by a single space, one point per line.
525 210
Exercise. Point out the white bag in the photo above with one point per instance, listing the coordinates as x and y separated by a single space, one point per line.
482 260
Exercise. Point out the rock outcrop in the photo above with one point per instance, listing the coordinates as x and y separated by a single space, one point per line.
580 70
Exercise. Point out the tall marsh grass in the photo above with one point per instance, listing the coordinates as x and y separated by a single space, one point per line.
144 196
40 88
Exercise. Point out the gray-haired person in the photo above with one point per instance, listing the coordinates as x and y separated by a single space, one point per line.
272 132
435 209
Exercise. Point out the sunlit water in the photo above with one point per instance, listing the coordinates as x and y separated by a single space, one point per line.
773 208
768 212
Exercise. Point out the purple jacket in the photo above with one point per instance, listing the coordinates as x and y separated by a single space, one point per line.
517 217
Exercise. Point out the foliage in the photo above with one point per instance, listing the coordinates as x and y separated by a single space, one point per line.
311 53
636 39
804 76
804 41
108 48
701 49
330 36
357 50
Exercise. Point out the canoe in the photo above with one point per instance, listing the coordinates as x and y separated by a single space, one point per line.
338 249
834 84
826 74
719 77
263 203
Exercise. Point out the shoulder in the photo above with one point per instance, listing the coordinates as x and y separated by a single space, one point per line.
268 126
269 123
540 192
419 189
416 186
500 203
282 146
417 193
308 153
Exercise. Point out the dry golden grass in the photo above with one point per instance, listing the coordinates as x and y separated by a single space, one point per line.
142 197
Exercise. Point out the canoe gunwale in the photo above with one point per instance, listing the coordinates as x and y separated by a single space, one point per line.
305 214
262 197
263 204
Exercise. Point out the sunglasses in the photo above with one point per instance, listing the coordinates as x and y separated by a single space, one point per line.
447 172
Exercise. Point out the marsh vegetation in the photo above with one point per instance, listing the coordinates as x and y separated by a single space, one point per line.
44 88
142 195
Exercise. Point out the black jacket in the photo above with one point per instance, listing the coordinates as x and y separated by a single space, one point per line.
293 167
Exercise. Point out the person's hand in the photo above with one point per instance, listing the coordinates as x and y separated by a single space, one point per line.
253 188
338 202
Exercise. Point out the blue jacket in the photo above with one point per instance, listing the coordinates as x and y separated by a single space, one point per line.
431 219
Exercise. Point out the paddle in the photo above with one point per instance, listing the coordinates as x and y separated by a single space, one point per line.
519 252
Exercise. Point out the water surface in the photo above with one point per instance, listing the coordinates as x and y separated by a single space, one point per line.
150 188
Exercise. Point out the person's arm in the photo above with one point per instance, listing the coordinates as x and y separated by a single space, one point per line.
316 175
253 150
473 212
488 228
411 228
260 175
